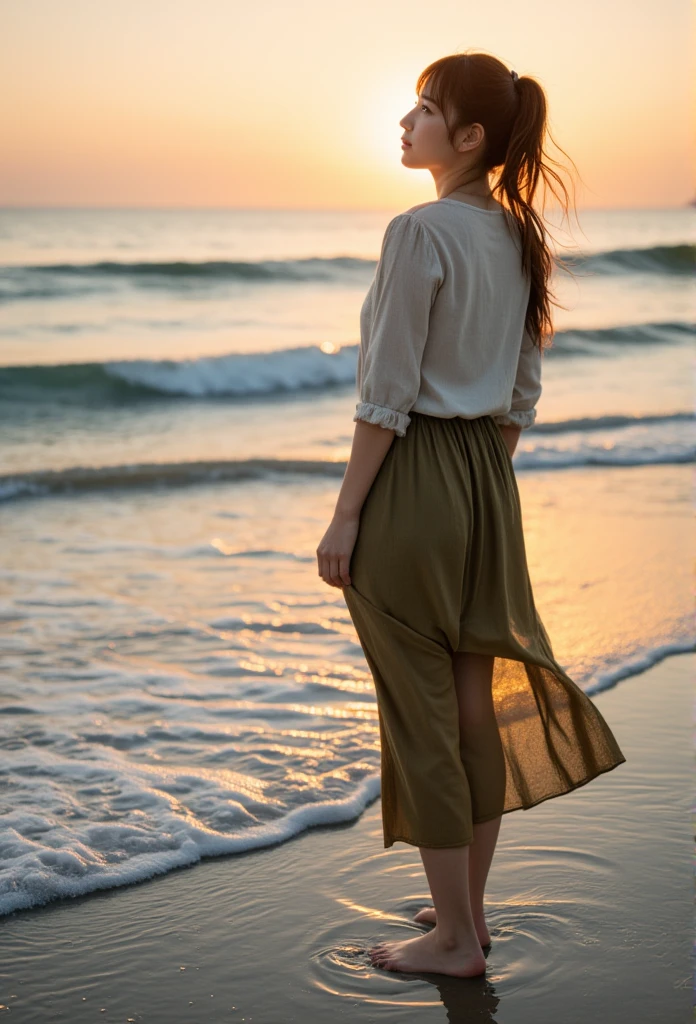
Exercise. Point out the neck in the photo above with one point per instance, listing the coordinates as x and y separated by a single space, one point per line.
463 183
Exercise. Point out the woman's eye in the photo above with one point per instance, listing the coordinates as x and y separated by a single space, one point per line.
426 109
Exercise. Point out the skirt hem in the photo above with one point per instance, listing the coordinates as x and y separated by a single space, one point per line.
569 789
425 846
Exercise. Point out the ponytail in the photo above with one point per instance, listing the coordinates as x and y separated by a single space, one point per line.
476 87
524 165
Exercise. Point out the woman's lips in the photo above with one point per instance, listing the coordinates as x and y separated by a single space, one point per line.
405 143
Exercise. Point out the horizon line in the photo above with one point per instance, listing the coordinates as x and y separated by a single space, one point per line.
689 204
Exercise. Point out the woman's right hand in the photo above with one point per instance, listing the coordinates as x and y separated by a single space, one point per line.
335 549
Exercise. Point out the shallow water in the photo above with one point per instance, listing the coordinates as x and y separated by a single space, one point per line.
177 680
281 935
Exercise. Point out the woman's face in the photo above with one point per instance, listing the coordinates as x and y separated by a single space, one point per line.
425 143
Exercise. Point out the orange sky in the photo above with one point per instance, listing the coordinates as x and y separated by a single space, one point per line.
296 103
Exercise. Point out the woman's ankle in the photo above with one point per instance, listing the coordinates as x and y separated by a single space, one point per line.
453 937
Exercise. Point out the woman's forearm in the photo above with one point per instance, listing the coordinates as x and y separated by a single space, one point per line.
370 446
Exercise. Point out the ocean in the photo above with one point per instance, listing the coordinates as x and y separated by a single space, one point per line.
176 399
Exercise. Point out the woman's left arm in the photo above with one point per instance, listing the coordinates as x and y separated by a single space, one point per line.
371 443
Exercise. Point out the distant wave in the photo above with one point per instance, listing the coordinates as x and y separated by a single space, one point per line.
656 259
257 374
50 280
173 474
596 340
79 479
617 457
588 424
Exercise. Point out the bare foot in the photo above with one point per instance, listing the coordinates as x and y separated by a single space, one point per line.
429 954
429 915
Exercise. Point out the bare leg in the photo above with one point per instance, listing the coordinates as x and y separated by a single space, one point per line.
473 674
452 946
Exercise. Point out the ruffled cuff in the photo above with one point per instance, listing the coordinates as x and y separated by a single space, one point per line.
523 418
391 419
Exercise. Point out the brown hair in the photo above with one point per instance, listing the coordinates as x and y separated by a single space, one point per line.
476 87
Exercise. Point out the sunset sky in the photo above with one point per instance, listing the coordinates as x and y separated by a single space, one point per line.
296 103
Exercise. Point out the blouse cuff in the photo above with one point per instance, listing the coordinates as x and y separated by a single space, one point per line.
523 418
391 419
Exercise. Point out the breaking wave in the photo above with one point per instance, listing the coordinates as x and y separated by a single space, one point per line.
243 375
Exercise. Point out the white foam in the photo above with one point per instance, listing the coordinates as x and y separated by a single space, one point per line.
43 859
103 822
16 487
236 375
605 680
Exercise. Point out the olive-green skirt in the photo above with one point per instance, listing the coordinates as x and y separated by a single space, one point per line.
439 566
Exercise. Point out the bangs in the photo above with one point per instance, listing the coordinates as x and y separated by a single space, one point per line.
444 81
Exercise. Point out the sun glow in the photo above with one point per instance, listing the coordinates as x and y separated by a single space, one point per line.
387 104
211 109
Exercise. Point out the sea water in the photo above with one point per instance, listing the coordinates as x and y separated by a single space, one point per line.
176 399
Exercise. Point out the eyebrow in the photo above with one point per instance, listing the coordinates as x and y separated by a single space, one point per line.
428 98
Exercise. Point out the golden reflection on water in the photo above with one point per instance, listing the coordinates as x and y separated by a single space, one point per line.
221 546
348 709
606 559
381 915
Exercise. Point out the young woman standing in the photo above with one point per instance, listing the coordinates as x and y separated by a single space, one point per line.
476 717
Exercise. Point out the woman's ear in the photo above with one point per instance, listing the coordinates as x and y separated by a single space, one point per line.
471 138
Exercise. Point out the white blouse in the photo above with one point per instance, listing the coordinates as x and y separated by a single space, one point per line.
442 325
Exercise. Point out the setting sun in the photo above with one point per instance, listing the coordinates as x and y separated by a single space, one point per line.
213 104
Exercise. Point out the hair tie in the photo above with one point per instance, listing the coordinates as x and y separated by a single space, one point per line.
515 76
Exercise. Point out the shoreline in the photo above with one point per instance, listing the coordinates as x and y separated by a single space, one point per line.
588 906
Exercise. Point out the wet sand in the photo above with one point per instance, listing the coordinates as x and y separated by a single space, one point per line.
589 908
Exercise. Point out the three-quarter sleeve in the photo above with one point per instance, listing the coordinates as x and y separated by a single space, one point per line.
527 387
406 282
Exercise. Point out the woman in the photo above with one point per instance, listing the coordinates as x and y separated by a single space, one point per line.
476 717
